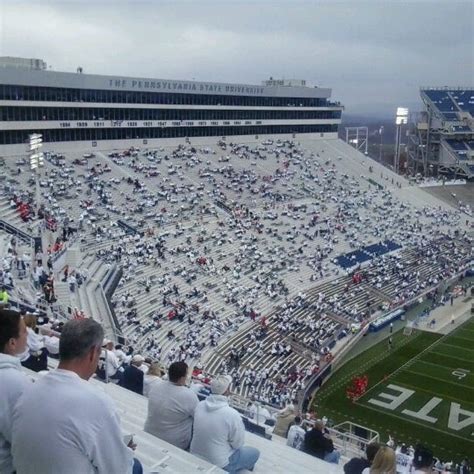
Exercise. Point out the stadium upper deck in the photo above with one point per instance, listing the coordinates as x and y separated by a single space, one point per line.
443 140
111 112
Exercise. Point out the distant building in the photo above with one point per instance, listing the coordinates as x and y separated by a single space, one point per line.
24 63
117 111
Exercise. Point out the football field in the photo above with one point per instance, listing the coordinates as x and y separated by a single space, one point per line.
421 390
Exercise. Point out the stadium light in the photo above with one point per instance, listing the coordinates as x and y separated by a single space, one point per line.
400 120
36 161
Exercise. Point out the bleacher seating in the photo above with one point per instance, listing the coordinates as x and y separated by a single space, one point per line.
269 222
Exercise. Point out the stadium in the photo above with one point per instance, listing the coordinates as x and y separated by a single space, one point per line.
227 226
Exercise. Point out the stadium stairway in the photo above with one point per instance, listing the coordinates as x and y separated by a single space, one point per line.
157 456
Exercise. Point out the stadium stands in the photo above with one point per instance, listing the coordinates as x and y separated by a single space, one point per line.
439 140
258 260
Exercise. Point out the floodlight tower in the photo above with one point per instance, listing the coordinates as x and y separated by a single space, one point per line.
36 162
401 119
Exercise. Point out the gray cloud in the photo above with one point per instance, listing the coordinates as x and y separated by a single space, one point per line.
374 54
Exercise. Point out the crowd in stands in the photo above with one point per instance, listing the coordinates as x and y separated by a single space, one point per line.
243 241
62 422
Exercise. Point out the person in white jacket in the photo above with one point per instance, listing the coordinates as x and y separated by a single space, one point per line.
219 433
64 424
12 380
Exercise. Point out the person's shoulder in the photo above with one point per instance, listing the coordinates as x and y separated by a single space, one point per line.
14 380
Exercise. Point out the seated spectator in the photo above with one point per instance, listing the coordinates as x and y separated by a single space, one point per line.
35 356
63 423
132 377
384 462
318 443
171 408
404 459
109 365
153 377
296 434
51 343
121 356
4 297
198 387
357 465
219 433
284 418
422 460
12 380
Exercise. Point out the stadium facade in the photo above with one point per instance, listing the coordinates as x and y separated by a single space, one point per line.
95 110
441 141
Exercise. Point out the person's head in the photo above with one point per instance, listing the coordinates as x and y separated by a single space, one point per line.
297 420
423 457
137 360
319 425
30 321
80 346
178 372
12 332
371 450
384 461
155 369
109 345
220 385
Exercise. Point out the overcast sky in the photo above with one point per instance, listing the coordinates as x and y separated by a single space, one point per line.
373 54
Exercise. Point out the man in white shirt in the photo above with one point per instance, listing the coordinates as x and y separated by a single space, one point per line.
109 362
171 408
12 380
296 435
64 424
219 433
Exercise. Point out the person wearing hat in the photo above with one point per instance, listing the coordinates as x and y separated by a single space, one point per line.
422 460
132 377
219 433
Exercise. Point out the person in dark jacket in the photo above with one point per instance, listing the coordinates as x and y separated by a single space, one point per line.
132 377
318 443
357 465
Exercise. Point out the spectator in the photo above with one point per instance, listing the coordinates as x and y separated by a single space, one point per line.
318 443
12 380
284 418
171 408
109 365
384 462
152 378
4 297
357 465
35 356
132 378
121 356
62 423
422 460
296 435
218 434
464 467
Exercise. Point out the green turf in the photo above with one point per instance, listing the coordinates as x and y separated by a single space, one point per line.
423 362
